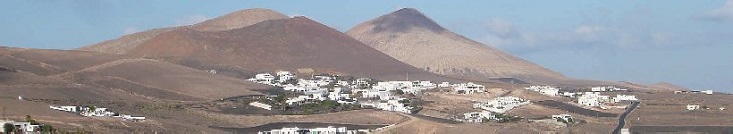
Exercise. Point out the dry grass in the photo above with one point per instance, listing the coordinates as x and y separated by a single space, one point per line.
348 117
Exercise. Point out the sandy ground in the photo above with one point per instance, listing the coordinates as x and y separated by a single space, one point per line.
666 108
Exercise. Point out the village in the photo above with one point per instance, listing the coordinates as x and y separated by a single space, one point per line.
361 92
395 96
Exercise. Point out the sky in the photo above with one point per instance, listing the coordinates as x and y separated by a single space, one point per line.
688 43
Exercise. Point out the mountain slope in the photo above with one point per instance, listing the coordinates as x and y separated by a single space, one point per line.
229 21
411 37
80 70
286 44
239 19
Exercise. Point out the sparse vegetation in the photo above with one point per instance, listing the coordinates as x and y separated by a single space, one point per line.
502 118
325 106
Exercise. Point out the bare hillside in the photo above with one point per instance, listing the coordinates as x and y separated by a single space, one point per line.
411 37
229 21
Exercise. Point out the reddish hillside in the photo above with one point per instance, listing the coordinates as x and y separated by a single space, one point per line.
286 44
229 21
413 38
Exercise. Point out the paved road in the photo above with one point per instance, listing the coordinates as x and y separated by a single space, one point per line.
622 118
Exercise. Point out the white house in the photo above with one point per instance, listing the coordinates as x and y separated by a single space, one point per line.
568 94
478 116
468 88
693 107
133 118
86 111
382 94
261 105
621 97
389 105
501 104
72 109
265 77
284 76
444 85
592 99
423 84
305 99
321 130
565 117
606 88
546 90
392 85
343 83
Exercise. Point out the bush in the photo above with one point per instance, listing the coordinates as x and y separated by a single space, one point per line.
9 128
29 119
46 128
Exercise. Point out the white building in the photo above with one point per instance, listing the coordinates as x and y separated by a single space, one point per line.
565 117
606 88
133 118
568 94
267 77
621 97
592 99
389 105
296 130
392 85
284 76
469 88
423 84
86 111
693 107
382 94
261 105
546 90
305 99
478 116
501 104
695 92
444 85
72 109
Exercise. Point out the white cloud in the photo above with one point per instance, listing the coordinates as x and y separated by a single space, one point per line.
130 30
189 20
589 29
501 28
724 13
504 34
295 15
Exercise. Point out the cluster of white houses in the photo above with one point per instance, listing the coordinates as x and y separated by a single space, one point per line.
491 108
694 92
501 104
468 88
607 89
321 130
590 99
96 112
595 99
381 95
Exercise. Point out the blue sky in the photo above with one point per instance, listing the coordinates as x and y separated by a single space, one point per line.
683 42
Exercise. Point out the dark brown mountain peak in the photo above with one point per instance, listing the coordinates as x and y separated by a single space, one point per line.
405 19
